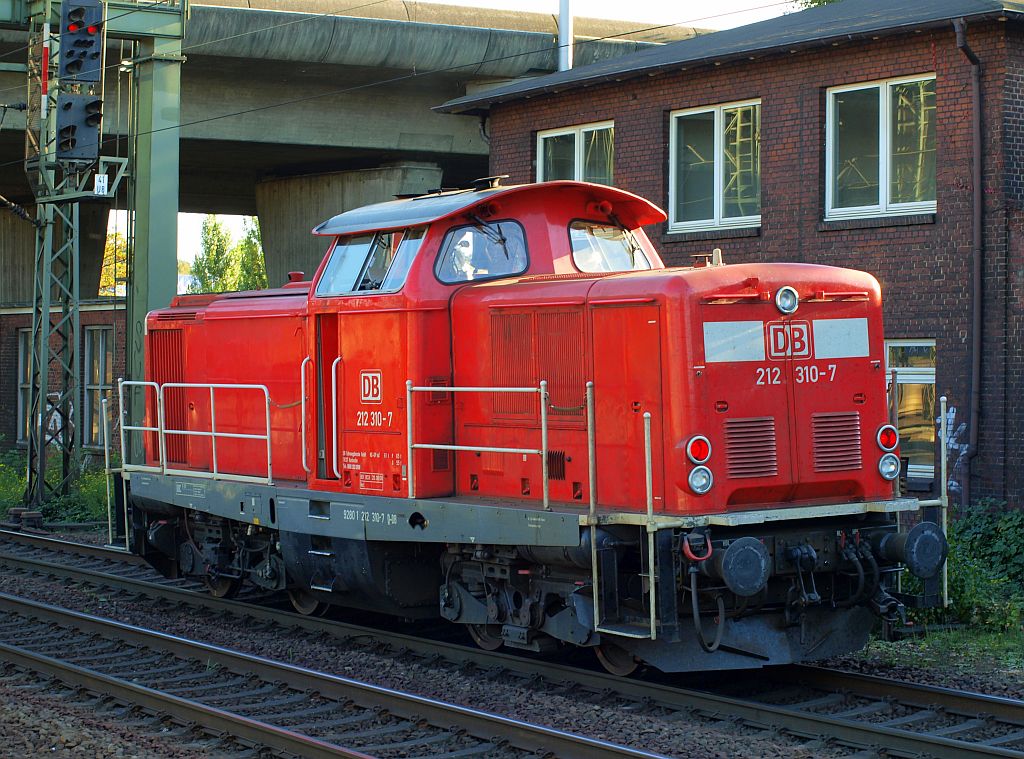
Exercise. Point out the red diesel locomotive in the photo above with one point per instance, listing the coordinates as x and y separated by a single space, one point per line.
497 406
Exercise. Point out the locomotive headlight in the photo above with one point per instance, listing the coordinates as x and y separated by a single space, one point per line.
787 300
889 466
888 438
701 480
698 449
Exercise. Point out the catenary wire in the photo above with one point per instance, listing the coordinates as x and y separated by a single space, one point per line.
410 76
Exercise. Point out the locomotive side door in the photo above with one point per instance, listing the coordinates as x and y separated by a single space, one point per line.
329 375
627 383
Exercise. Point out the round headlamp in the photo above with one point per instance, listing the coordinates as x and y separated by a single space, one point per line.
889 466
701 480
787 300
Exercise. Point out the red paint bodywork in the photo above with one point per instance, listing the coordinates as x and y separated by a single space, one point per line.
784 431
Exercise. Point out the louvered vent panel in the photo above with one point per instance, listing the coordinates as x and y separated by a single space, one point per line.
750 448
167 364
512 362
837 443
560 344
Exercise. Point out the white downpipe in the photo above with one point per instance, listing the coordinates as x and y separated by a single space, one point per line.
565 35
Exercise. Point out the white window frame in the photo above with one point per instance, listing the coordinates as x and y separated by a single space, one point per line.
578 132
106 346
24 357
717 222
913 376
883 207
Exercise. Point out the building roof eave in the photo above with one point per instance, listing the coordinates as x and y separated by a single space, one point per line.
674 57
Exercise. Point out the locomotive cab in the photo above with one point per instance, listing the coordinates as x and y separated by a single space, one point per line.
497 406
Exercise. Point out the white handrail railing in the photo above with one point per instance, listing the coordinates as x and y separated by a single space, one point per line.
213 434
302 398
542 390
126 465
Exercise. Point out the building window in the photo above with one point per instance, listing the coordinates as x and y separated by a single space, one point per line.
584 153
880 148
24 382
913 364
715 167
99 372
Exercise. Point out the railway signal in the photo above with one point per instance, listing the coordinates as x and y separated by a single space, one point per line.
81 41
78 127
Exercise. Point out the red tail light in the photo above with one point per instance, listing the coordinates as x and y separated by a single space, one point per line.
698 449
888 438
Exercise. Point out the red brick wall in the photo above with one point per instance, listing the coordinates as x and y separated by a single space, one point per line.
11 323
923 263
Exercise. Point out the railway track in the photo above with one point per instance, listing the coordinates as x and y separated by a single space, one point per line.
807 705
282 707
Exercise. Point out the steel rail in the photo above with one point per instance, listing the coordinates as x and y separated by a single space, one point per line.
704 703
484 725
968 702
193 712
70 546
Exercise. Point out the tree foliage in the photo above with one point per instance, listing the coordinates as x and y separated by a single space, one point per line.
114 270
222 266
212 265
249 268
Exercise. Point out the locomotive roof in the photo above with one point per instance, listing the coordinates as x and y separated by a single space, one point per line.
424 209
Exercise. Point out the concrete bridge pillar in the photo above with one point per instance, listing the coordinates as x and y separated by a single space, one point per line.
18 254
289 208
17 258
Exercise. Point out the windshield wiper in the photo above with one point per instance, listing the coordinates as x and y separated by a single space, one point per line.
492 233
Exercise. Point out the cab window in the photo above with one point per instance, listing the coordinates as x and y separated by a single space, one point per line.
482 251
377 262
604 247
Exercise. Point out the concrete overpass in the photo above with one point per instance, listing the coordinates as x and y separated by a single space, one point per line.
300 112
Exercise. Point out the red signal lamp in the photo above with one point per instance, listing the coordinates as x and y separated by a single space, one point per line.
74 27
92 28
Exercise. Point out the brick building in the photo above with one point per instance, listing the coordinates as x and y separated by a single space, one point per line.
841 135
102 354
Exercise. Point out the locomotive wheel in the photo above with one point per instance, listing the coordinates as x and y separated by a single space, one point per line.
223 587
617 660
306 604
488 637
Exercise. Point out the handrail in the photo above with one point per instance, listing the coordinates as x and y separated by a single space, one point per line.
334 415
125 464
302 394
542 451
213 434
652 526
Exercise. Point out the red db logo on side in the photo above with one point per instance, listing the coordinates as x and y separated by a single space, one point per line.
370 386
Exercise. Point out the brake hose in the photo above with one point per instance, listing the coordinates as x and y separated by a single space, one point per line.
695 603
851 556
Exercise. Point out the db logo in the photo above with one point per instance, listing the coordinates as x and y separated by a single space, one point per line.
369 387
789 340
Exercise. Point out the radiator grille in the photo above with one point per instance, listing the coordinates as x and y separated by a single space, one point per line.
512 362
561 361
166 363
750 448
837 443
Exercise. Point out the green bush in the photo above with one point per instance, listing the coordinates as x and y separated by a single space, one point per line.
995 535
986 573
87 501
12 479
